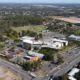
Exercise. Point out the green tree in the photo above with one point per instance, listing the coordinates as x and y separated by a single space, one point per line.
64 77
60 59
40 35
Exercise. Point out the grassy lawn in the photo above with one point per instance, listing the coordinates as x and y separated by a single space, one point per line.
32 28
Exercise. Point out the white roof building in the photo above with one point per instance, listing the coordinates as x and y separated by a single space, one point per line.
61 41
27 38
74 38
32 42
48 43
73 72
56 45
71 78
35 54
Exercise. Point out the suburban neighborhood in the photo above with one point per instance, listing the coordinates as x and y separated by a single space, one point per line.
39 41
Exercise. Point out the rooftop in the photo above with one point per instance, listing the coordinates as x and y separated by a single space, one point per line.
73 72
35 54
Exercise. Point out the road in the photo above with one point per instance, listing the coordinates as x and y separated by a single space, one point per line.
63 68
16 69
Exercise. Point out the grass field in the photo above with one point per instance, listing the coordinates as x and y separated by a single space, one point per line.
31 28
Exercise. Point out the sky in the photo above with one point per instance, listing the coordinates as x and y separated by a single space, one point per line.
39 1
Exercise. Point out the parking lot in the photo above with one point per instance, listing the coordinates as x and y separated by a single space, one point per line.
54 34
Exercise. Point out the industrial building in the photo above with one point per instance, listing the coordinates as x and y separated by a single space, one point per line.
73 38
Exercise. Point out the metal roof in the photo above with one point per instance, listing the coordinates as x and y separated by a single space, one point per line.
35 54
73 72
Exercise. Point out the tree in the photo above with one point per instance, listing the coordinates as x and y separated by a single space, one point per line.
12 47
60 59
40 35
77 75
64 77
36 38
23 33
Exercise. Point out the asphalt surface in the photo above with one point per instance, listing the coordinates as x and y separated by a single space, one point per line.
54 34
64 68
16 69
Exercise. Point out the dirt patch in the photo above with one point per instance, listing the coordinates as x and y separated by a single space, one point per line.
39 73
70 19
7 75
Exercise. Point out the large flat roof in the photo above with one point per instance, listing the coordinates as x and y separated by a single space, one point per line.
73 72
32 42
27 38
35 54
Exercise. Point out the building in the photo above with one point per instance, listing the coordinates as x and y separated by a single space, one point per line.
44 31
31 58
54 43
45 43
73 38
77 23
32 44
35 54
27 38
72 73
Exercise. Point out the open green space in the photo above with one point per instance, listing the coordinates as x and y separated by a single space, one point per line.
37 28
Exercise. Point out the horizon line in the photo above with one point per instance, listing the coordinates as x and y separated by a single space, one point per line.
40 3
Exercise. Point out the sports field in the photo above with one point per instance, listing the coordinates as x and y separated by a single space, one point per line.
31 28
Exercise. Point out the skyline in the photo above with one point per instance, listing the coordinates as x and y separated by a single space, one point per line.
41 1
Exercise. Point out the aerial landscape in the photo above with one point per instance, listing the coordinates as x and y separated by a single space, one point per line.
40 40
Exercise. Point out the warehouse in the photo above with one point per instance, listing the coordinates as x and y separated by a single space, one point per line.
73 38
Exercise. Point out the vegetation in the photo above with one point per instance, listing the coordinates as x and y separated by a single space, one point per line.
77 75
60 59
64 77
34 66
49 53
36 28
12 47
17 40
22 20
